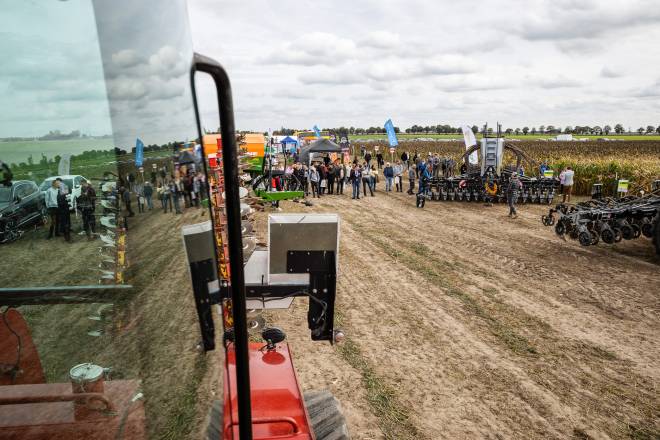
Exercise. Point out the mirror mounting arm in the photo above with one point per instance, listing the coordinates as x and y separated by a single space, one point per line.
232 204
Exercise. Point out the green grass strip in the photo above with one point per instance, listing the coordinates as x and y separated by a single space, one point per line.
393 417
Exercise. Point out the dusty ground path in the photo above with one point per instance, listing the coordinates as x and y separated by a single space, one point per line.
463 323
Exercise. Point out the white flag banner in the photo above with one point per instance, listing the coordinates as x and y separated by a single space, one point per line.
470 140
64 167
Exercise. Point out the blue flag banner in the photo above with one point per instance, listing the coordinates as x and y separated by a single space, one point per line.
317 131
391 135
139 152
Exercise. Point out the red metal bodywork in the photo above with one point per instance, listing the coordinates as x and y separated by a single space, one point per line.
278 408
16 345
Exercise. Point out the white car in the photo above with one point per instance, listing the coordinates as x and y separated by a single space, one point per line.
73 184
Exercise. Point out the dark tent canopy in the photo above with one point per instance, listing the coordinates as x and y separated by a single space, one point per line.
318 146
288 140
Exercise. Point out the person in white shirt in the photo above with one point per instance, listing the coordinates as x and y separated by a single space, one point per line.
51 206
398 173
569 174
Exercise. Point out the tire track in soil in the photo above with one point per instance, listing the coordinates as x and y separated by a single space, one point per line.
365 215
406 346
506 260
571 300
558 349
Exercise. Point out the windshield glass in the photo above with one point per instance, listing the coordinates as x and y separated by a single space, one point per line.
5 194
68 183
100 89
45 185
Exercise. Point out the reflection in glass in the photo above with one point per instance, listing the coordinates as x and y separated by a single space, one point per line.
100 171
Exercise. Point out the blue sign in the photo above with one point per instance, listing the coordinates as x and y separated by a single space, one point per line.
317 131
391 135
139 152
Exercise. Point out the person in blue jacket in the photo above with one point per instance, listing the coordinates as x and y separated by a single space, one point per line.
388 172
424 179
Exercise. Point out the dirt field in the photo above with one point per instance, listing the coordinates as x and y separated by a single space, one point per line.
463 323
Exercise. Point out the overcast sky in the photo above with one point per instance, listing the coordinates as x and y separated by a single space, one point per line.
327 63
523 62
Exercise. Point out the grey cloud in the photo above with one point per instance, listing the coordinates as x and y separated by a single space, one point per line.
390 70
127 58
589 22
331 76
555 82
650 91
315 48
165 89
124 88
381 40
168 62
580 46
391 67
448 65
608 72
471 84
291 94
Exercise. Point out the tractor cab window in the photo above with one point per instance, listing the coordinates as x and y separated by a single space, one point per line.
98 135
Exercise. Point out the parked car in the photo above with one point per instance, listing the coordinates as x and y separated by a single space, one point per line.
73 185
21 204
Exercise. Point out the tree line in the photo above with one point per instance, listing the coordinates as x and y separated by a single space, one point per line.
45 162
595 130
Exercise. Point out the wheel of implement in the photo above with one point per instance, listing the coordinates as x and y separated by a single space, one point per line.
327 420
637 231
585 238
214 428
560 228
617 235
607 235
647 230
627 232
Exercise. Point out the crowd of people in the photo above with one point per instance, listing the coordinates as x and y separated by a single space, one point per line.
328 177
175 191
186 188
59 206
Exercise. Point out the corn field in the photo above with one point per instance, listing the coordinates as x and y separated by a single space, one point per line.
593 162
